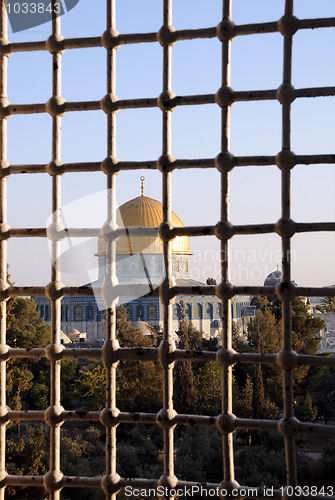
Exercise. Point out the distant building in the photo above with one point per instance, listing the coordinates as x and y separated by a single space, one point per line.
139 260
273 279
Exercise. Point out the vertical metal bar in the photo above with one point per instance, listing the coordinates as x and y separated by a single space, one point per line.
227 438
168 433
55 365
111 251
3 243
286 252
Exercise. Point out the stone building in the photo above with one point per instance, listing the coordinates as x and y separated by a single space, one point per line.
139 261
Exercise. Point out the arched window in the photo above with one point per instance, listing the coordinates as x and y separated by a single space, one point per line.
46 316
176 311
78 313
42 311
129 312
152 312
209 311
219 310
188 311
198 311
89 313
139 313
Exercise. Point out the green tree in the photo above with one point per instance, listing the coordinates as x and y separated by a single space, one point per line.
263 336
242 405
264 332
139 383
209 388
27 455
305 328
90 386
199 456
24 327
25 330
69 372
309 412
247 399
324 389
184 383
328 303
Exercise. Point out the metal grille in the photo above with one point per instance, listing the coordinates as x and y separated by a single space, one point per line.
166 354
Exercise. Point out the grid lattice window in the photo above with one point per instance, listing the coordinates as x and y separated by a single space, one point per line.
222 228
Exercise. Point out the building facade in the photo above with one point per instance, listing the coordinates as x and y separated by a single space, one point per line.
139 261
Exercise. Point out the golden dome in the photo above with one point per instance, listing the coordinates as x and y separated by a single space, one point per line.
144 212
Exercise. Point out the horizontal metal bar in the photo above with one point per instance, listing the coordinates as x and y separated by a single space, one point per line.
315 159
81 482
81 106
254 229
246 423
81 353
124 290
192 290
131 38
194 231
32 232
315 92
239 161
254 95
315 360
307 227
322 22
34 353
26 109
190 231
245 161
186 34
255 357
268 291
194 34
315 291
317 429
255 28
180 354
12 480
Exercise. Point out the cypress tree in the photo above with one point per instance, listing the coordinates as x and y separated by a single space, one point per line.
184 386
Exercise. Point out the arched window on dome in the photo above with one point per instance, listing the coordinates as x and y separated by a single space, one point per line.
151 312
176 311
78 313
139 313
89 313
188 311
209 311
198 311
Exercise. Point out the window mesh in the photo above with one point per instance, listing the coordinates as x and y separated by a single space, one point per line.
226 423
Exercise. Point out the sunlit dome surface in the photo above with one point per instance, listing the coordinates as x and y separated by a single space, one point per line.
144 212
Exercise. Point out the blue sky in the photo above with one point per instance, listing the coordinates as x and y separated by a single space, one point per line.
255 129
